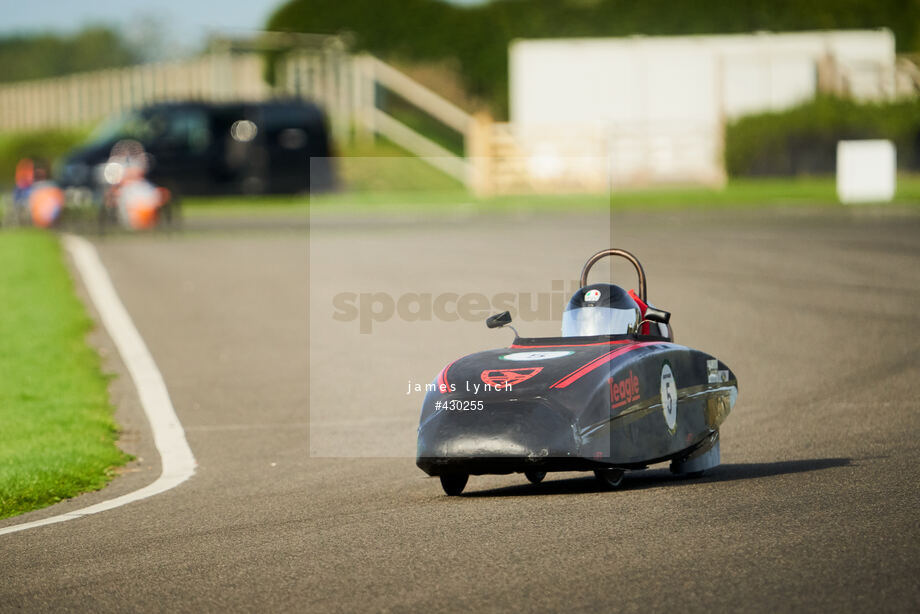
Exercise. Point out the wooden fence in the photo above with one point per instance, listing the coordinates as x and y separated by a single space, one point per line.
85 98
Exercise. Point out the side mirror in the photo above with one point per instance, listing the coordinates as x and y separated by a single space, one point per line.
657 315
499 319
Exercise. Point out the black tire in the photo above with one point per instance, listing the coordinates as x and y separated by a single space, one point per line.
454 483
535 477
611 479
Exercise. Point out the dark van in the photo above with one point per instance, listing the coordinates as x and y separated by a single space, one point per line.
225 148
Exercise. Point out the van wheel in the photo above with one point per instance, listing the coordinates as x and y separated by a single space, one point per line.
253 185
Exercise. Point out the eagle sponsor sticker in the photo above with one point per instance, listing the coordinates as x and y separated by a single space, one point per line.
669 396
501 378
624 390
592 296
521 356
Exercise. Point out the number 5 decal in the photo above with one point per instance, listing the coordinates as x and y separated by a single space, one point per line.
669 396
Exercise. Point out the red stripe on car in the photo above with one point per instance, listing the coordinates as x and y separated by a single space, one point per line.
442 378
515 346
597 362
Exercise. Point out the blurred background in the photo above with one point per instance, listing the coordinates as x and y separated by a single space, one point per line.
484 99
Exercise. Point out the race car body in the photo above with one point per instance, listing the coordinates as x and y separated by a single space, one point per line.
554 403
608 403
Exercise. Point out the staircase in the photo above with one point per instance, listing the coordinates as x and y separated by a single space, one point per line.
353 90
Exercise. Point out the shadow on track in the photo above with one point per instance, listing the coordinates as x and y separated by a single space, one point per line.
658 478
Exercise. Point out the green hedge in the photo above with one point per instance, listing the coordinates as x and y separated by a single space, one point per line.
47 145
803 140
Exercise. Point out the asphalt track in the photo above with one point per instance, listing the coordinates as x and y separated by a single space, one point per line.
815 507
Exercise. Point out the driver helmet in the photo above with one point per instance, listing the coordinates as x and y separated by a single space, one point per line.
601 309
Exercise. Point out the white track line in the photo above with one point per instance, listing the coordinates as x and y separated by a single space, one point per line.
176 456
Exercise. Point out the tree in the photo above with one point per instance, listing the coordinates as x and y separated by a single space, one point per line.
477 37
38 56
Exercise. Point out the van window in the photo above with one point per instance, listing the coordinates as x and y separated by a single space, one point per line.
279 117
128 125
181 128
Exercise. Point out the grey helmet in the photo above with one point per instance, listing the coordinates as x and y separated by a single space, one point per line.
601 309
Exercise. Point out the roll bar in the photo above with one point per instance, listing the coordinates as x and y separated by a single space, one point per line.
623 254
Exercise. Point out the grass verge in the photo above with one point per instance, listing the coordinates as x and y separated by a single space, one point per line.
400 197
57 434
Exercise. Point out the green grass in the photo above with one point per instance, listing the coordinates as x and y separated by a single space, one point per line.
57 435
421 195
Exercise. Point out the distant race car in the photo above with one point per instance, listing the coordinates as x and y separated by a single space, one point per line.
613 393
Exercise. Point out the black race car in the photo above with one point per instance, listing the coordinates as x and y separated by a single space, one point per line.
613 393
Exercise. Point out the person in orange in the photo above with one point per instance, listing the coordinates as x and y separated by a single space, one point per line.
137 200
25 177
45 198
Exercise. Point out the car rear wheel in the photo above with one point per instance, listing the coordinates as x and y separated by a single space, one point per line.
610 478
454 483
535 477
